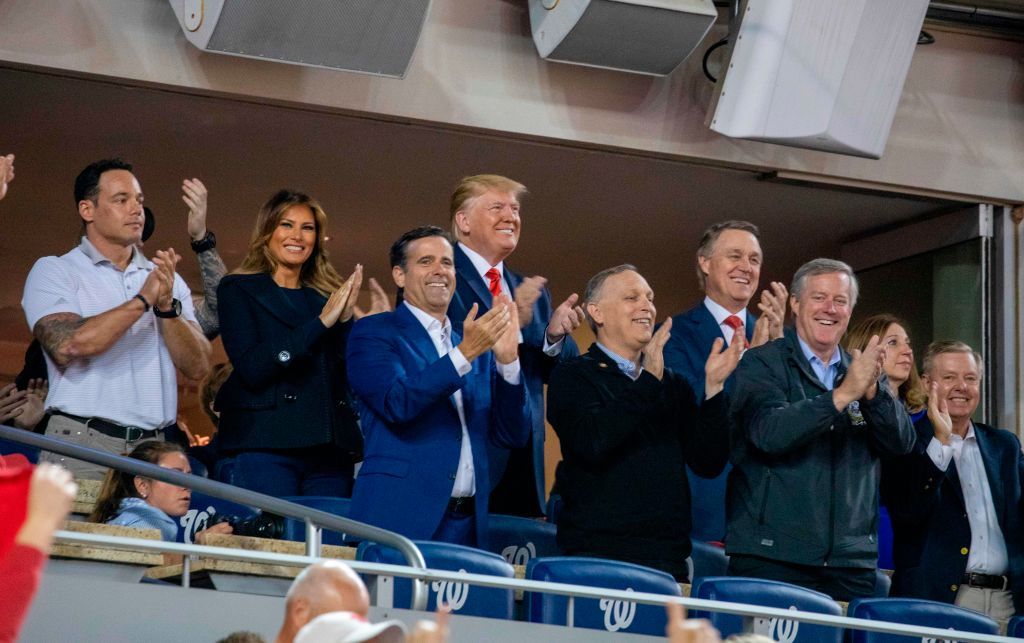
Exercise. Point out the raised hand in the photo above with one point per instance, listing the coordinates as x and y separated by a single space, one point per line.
565 319
6 173
337 303
479 335
194 195
527 294
938 413
653 352
506 349
862 376
50 494
432 631
379 302
355 283
166 263
682 630
773 307
12 402
720 365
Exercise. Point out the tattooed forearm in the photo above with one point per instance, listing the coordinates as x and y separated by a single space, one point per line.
212 269
55 333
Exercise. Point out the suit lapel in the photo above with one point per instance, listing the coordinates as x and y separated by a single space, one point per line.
707 328
269 295
421 342
468 277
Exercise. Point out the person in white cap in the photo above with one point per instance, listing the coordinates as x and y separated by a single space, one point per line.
326 586
349 627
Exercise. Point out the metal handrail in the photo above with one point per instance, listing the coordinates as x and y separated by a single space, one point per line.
749 612
409 551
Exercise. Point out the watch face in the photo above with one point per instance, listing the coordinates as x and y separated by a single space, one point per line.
173 312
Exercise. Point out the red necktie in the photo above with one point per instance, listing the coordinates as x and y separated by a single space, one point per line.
734 322
495 278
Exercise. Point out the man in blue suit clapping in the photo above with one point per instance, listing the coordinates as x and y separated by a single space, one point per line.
431 400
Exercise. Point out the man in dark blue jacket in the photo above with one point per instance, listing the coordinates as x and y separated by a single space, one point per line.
486 225
728 269
955 501
810 425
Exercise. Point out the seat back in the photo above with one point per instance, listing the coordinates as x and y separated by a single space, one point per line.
915 611
296 529
600 614
518 540
554 509
767 593
464 599
203 510
1015 627
9 447
708 560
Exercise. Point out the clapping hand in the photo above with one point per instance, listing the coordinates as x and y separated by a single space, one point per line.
721 363
938 413
6 173
653 352
379 302
194 195
565 319
527 293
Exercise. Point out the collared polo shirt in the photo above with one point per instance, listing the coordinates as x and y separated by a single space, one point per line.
134 382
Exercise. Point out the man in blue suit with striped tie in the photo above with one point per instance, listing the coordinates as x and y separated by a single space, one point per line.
729 268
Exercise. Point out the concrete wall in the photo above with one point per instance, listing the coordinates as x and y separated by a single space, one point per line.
959 128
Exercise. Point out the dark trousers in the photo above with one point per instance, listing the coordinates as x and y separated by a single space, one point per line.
456 528
841 583
313 471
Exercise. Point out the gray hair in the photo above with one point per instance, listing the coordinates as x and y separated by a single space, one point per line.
948 346
821 266
706 247
596 283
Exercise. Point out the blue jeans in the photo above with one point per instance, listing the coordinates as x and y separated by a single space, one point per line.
313 471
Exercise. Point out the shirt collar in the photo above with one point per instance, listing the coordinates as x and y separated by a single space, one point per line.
428 321
812 357
95 256
626 366
720 313
480 263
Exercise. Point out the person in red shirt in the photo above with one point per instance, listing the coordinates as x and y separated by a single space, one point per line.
34 501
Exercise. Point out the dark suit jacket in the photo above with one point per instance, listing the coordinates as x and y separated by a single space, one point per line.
471 289
932 536
624 444
288 388
412 428
693 333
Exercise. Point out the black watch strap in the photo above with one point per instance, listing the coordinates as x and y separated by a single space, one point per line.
144 302
169 314
208 242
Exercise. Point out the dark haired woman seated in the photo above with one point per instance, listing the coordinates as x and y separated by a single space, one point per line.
286 415
136 501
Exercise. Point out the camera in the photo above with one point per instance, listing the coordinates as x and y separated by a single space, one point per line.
260 525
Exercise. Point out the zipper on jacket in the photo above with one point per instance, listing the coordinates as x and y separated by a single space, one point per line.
764 498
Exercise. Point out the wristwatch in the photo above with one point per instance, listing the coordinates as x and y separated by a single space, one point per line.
208 242
169 314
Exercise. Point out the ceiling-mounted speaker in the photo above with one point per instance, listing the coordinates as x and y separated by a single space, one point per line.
367 36
817 74
641 36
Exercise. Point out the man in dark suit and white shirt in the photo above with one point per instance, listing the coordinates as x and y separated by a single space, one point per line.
728 263
955 500
486 224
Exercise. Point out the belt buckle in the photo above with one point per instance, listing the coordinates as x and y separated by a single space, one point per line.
128 433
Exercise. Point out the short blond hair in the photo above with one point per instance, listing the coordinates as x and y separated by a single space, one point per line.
470 187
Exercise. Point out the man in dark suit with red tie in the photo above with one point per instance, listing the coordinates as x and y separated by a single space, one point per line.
728 267
486 223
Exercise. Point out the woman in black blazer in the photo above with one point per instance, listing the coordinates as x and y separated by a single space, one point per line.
287 418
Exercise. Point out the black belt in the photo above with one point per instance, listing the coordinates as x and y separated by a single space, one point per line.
465 506
114 430
985 581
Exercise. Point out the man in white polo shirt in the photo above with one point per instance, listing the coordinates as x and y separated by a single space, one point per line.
114 325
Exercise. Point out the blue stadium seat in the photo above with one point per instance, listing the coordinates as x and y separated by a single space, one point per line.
203 509
554 509
708 560
1015 627
9 447
884 539
767 593
518 540
603 614
296 529
464 599
913 611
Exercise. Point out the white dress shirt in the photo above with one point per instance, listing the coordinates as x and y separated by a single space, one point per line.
988 547
482 266
721 314
440 335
